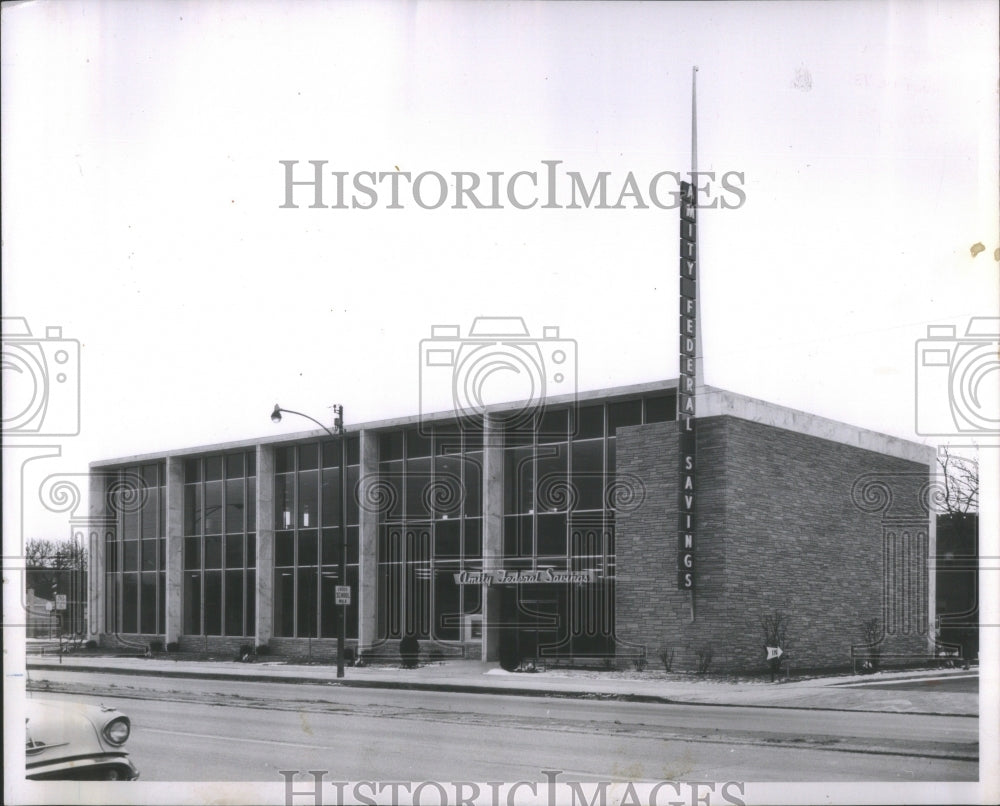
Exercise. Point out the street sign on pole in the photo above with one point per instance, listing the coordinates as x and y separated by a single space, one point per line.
342 594
60 601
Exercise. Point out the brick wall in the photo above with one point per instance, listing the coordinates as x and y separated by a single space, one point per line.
786 522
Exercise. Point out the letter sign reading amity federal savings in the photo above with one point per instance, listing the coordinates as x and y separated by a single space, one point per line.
686 390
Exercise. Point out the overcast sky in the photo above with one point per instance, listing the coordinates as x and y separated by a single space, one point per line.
143 192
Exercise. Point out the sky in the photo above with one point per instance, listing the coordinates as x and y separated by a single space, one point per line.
143 193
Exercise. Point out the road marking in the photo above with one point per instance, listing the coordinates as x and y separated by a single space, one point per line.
236 738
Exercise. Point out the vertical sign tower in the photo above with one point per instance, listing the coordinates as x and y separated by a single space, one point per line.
689 380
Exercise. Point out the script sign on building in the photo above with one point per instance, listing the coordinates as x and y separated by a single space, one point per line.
686 388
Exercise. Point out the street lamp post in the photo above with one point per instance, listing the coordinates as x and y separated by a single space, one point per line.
341 519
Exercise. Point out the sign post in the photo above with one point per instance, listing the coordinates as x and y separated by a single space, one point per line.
686 497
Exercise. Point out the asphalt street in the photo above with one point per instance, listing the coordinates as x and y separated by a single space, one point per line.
217 730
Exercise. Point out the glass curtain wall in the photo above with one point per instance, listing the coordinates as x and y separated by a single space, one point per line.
429 500
219 559
307 541
135 550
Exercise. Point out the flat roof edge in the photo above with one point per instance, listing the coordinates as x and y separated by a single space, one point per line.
668 385
714 402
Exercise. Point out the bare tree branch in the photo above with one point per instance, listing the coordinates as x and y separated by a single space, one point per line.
960 475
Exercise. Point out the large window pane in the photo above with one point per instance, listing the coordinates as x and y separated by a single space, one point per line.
472 469
623 414
330 547
234 551
447 605
284 498
234 603
553 426
251 603
417 444
234 466
329 500
519 480
150 509
148 604
350 496
192 553
284 602
284 548
213 603
308 456
551 535
235 506
150 548
307 547
192 509
418 488
589 422
213 507
192 604
473 540
213 468
131 552
308 482
588 473
660 409
307 615
447 539
447 492
213 551
130 603
553 493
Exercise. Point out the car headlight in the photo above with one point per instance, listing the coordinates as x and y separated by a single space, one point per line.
117 730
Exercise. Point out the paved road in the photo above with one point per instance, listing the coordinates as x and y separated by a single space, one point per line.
191 730
962 683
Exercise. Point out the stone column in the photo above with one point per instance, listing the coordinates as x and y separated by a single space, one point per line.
265 545
492 532
368 548
174 594
97 528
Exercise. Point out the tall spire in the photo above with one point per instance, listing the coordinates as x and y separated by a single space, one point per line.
699 357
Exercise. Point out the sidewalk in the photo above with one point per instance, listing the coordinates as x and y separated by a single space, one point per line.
488 678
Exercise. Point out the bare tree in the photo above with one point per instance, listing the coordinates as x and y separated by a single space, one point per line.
960 476
775 628
61 555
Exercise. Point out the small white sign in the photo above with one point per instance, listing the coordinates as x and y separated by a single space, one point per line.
342 594
60 601
774 652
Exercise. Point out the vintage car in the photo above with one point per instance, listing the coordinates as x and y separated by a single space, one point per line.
68 741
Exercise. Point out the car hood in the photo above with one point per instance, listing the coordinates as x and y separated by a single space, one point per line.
58 728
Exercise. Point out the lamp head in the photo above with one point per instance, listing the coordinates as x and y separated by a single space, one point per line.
276 414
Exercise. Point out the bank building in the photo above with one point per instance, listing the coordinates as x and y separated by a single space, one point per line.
567 532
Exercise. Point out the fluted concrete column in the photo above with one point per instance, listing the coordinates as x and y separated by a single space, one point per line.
174 593
492 532
265 545
97 527
368 549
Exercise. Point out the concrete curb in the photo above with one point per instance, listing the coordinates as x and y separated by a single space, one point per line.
458 688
